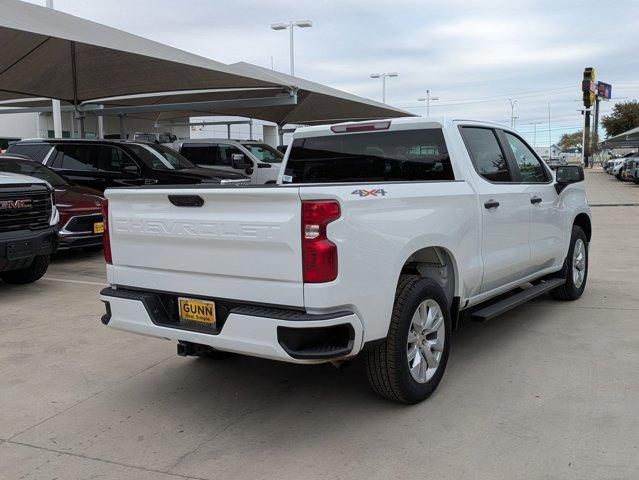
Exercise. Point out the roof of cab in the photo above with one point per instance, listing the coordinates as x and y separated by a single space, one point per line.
422 122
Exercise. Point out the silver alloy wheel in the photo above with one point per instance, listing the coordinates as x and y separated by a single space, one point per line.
579 263
425 342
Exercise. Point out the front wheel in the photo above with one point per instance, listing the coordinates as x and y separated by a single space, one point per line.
30 274
410 363
575 269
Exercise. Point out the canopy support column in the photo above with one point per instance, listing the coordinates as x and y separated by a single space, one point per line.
280 133
122 129
100 125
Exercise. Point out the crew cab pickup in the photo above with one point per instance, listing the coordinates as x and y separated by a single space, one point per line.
377 235
28 227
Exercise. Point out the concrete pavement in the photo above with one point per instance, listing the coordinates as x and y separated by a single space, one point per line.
549 390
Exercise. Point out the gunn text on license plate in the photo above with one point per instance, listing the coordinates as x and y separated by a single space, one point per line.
193 310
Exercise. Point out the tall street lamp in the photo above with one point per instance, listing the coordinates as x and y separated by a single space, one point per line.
383 77
512 112
291 26
427 99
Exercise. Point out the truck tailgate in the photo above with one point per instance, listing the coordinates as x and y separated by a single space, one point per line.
241 243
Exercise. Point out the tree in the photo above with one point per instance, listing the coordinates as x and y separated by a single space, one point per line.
571 140
624 116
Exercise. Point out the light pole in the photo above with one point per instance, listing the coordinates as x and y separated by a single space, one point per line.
427 99
535 132
383 77
291 26
512 112
55 104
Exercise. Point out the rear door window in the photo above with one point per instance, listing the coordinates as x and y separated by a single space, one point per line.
486 154
201 153
400 155
77 157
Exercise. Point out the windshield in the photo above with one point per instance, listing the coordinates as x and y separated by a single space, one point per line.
264 152
32 169
159 157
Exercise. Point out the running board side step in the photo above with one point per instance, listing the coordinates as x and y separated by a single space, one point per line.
495 309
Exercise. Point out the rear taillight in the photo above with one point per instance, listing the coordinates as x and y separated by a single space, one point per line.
319 254
106 240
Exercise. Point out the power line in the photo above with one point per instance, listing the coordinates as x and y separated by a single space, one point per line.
490 98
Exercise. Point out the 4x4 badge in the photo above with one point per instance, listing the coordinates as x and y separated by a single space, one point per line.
369 193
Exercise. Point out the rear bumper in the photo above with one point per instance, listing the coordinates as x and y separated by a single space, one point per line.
274 333
15 247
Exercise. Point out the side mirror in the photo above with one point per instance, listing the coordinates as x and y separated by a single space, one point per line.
567 174
131 169
239 162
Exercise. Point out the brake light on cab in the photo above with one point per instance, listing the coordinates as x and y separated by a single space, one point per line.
319 254
360 127
106 239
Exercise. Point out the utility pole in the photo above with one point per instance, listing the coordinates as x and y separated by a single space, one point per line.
588 88
534 124
427 99
595 130
549 135
55 104
512 112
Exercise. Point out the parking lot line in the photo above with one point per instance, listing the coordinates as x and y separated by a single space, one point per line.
95 459
82 282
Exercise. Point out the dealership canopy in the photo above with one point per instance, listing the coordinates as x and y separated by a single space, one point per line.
629 138
52 54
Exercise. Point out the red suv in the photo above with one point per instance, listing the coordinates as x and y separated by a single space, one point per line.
79 207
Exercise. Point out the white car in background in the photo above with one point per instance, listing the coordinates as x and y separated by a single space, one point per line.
615 170
256 159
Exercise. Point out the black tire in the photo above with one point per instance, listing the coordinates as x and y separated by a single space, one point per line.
387 365
30 274
569 291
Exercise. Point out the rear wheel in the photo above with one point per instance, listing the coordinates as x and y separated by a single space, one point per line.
409 364
575 269
30 274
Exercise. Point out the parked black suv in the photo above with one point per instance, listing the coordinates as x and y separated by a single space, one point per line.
101 164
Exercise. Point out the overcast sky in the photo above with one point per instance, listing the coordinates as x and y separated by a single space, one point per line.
472 54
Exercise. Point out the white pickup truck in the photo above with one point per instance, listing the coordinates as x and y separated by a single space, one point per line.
377 235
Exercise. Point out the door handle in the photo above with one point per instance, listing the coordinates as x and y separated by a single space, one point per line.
491 204
535 199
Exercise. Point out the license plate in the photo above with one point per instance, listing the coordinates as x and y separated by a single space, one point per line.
18 250
98 227
193 310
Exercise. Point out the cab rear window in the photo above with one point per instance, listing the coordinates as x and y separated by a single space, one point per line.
400 155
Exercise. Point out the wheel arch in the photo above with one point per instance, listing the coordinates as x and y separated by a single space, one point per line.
437 263
583 221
